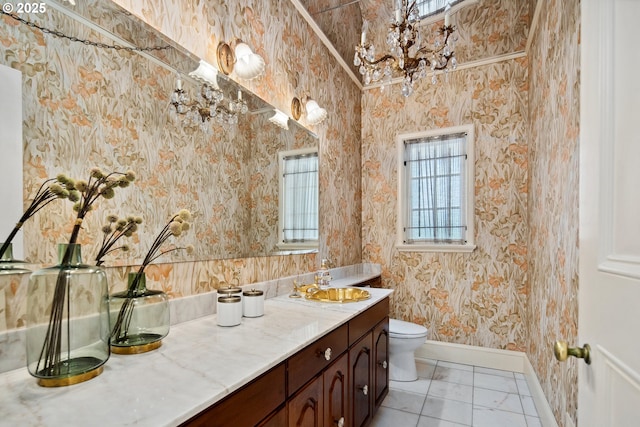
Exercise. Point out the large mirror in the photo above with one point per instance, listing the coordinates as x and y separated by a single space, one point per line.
86 105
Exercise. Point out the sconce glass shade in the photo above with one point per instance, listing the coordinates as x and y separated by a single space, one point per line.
206 73
315 114
280 119
249 65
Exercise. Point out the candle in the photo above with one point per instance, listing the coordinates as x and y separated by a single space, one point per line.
179 84
447 19
239 95
363 38
398 15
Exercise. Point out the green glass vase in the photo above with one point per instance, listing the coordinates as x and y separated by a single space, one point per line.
67 321
139 317
9 265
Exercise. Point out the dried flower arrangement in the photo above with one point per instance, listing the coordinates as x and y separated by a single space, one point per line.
50 361
49 190
115 229
176 226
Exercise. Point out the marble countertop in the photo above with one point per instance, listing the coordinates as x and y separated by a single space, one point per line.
198 364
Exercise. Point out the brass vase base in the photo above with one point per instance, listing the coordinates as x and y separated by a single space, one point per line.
70 380
136 349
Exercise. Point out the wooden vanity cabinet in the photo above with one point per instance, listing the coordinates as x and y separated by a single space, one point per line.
376 282
336 393
360 372
337 381
310 361
381 361
305 408
247 406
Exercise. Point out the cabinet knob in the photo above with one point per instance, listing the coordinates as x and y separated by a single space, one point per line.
340 422
327 354
365 389
383 364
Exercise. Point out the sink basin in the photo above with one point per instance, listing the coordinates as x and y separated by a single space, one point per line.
340 295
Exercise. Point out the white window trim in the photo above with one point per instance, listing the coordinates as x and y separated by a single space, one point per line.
281 245
428 20
470 193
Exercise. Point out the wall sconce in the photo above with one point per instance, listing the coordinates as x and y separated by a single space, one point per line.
315 113
239 56
206 73
280 119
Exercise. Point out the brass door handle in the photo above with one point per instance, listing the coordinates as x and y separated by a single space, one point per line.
562 351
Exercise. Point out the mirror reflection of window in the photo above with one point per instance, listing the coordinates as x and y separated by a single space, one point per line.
298 201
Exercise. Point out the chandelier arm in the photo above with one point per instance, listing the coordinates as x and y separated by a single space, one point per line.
377 61
442 67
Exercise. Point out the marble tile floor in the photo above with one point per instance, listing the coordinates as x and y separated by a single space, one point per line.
449 394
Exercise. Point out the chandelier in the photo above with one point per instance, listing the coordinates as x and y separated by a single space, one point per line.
407 54
209 106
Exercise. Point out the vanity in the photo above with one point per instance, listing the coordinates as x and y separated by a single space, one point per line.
303 363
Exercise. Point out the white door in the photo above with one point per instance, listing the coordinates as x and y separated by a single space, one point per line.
609 304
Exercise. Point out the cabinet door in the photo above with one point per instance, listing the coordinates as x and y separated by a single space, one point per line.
336 393
381 361
305 408
360 361
278 419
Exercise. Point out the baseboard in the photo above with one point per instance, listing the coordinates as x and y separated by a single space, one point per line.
508 360
542 405
471 355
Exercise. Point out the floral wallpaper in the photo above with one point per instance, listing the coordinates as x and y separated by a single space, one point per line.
88 107
554 112
516 291
477 298
341 23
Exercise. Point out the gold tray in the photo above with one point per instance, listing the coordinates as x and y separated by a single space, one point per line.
340 295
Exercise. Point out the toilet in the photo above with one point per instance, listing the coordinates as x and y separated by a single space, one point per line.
404 339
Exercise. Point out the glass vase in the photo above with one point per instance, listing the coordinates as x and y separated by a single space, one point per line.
139 317
67 321
9 265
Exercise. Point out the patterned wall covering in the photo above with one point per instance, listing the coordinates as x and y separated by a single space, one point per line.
554 77
476 298
297 64
340 21
80 111
485 29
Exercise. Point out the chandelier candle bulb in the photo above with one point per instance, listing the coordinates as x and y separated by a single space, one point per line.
179 84
447 20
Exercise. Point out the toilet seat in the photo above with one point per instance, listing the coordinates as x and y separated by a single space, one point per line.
406 330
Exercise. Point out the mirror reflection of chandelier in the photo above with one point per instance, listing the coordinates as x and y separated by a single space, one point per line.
209 106
406 54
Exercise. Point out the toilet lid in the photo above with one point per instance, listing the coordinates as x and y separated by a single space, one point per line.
402 329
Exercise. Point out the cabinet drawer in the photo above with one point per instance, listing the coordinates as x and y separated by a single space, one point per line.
309 361
262 396
364 322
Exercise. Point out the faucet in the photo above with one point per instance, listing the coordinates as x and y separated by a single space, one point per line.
299 290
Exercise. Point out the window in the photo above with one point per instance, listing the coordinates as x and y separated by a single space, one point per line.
435 188
298 219
434 7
